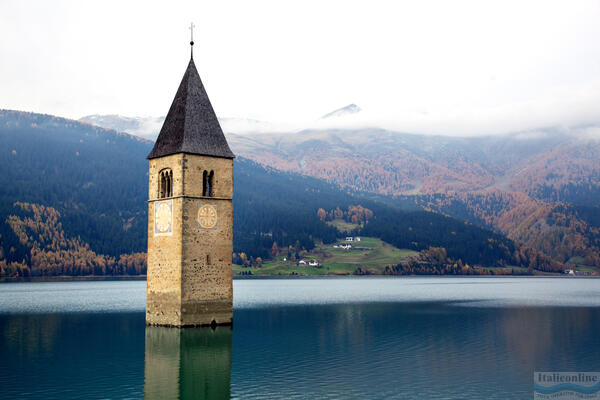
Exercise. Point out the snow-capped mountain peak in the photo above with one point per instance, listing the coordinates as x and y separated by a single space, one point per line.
341 112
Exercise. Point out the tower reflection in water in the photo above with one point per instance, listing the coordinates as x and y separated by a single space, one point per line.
187 363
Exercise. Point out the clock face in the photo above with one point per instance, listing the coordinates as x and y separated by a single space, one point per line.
163 218
207 216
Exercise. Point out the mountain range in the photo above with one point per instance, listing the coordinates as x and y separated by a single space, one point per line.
540 188
73 202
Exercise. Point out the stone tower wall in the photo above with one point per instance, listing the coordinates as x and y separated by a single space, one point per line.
185 287
163 290
207 292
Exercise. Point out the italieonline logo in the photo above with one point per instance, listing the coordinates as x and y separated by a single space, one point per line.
566 385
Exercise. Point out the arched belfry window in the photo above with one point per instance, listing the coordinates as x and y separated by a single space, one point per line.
165 183
207 183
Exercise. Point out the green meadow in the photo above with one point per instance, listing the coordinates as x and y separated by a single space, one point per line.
370 254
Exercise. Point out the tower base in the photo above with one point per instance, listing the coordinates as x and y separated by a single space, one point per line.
188 314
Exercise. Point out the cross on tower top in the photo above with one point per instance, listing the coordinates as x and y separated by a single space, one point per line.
192 38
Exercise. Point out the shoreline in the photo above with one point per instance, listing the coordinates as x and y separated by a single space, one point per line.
246 277
68 278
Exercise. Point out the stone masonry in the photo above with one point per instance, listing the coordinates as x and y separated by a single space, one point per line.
189 269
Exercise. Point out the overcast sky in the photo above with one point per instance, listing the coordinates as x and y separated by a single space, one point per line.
453 67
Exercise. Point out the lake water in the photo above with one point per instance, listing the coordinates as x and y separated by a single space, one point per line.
338 338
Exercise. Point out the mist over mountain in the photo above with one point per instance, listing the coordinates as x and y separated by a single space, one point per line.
145 127
149 127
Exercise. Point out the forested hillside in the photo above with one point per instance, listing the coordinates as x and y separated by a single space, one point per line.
73 201
559 230
540 188
397 163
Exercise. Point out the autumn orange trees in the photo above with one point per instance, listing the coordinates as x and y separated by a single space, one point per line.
52 253
555 230
355 214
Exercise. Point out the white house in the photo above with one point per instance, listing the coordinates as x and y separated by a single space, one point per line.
349 239
345 246
357 239
569 272
301 262
313 263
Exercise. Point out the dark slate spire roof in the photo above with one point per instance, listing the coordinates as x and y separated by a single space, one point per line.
191 125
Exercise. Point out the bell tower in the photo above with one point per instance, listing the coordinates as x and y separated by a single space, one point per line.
190 214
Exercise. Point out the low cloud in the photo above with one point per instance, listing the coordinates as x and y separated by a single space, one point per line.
563 109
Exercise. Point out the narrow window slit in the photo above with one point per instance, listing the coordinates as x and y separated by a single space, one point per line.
210 184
